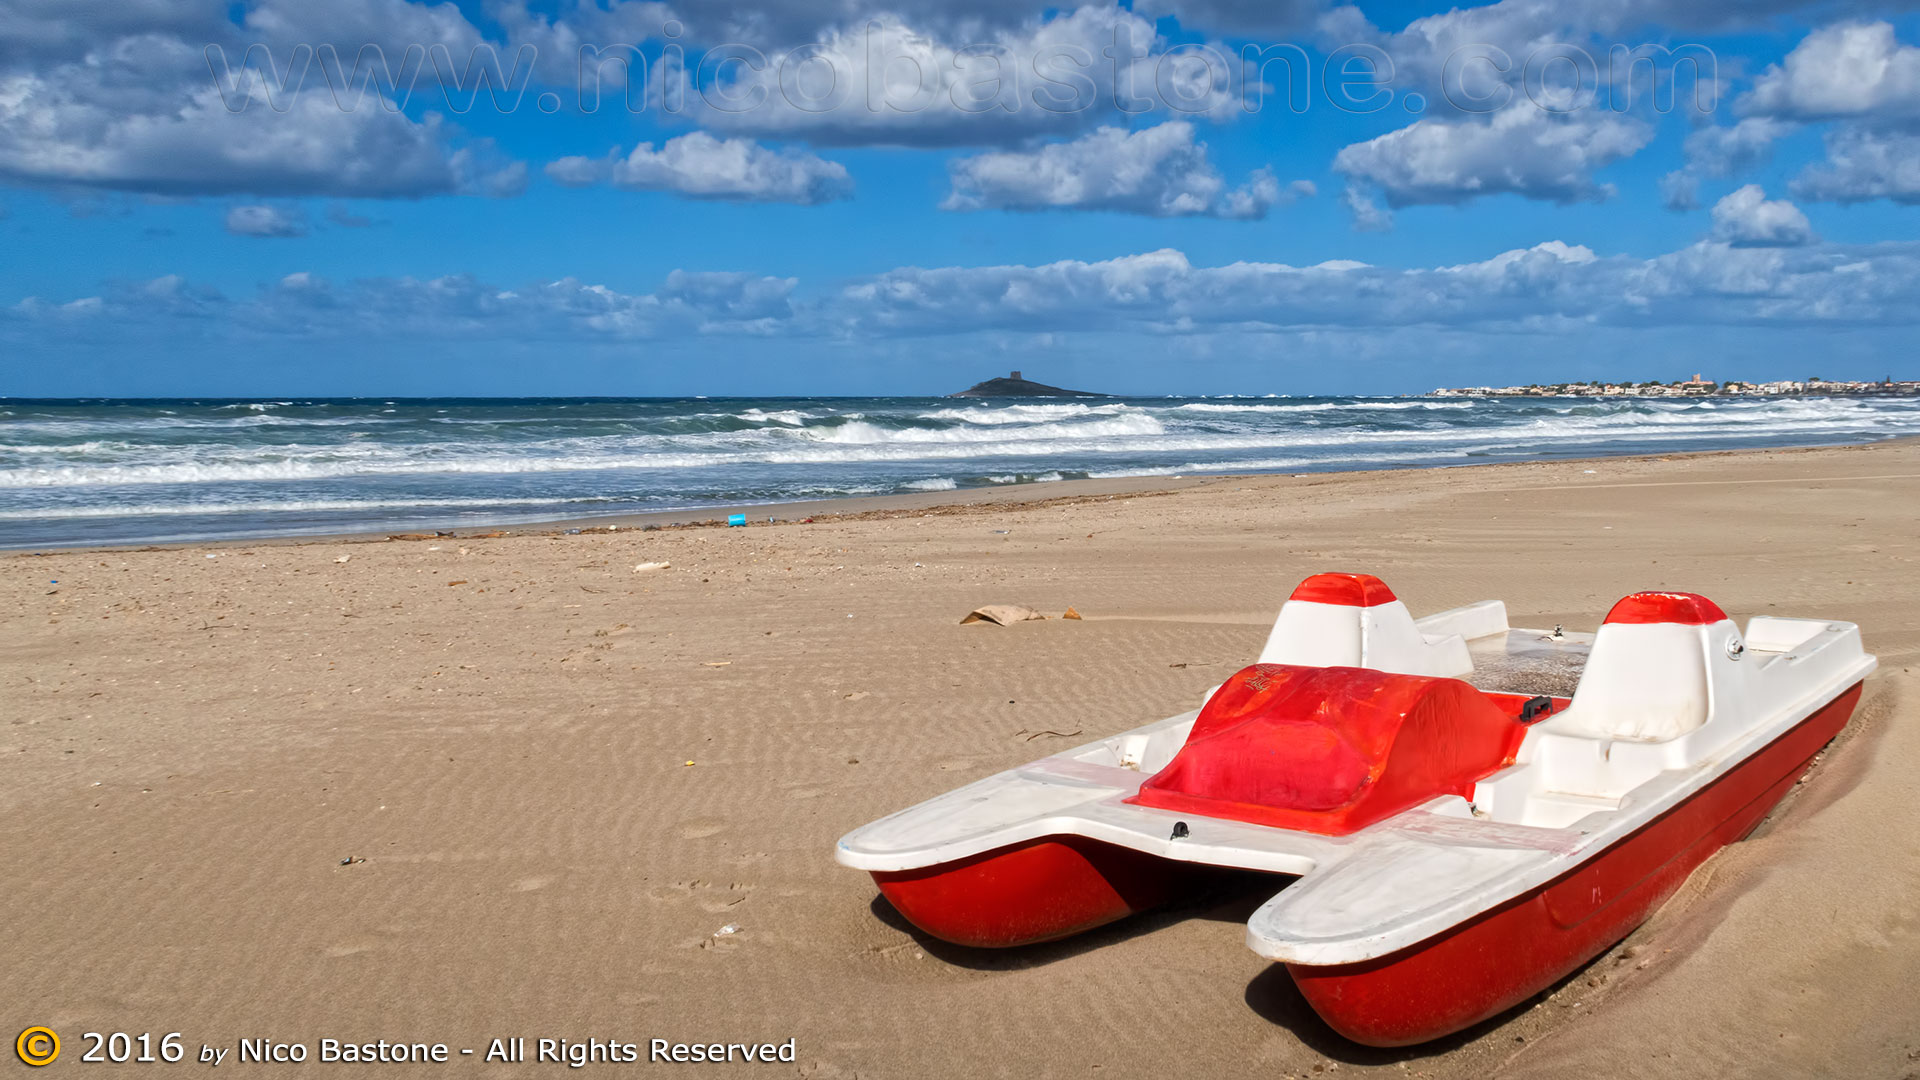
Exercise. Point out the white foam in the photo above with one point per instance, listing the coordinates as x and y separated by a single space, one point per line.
790 417
1325 406
1021 414
272 506
866 432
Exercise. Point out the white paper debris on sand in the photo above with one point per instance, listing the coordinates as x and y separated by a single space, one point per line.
1001 614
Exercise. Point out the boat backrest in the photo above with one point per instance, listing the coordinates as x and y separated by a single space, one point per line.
1354 620
1649 677
1332 750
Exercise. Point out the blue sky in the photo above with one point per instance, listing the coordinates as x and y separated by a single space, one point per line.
160 241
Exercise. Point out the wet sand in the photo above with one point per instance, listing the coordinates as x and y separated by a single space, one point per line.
497 730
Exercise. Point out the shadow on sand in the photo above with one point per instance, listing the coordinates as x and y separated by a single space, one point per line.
1228 897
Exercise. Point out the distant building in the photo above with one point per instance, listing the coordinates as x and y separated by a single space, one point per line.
1694 387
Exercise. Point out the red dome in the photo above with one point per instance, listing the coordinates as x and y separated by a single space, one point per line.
1346 590
1666 607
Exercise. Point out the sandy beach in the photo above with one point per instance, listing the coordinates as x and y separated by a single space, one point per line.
454 789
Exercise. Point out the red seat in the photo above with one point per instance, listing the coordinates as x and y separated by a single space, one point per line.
1332 749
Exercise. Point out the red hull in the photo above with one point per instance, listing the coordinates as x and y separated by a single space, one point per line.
1040 891
1492 963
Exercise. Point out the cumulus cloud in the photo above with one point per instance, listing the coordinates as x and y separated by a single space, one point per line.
1520 150
767 23
1680 190
1721 151
1161 171
1859 74
1747 218
700 166
578 171
119 96
55 131
306 305
1550 287
266 221
1475 59
1368 216
1850 69
1276 19
889 81
1863 164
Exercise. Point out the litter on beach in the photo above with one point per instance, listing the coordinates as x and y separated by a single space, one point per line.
1001 614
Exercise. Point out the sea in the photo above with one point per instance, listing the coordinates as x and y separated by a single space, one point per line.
91 472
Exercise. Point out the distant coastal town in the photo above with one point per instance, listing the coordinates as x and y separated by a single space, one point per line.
1694 387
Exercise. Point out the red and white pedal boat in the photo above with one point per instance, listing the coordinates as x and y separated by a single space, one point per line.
1464 835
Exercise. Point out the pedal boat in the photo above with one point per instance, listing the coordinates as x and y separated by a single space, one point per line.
1472 811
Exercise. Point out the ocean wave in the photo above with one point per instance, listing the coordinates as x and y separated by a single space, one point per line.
1327 406
937 483
1021 414
857 442
1034 478
293 506
791 417
861 431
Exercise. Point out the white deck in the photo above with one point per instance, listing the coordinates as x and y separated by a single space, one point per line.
1571 793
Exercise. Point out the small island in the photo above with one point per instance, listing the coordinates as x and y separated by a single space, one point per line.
1015 386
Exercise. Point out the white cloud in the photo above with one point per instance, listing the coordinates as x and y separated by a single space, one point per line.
1275 19
1747 218
891 82
1862 164
1160 171
1476 59
1859 73
1852 69
1368 216
143 113
266 221
1723 151
303 304
1680 190
577 171
699 166
187 143
1549 288
1520 150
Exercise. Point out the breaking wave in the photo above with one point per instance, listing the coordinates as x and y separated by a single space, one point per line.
93 472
